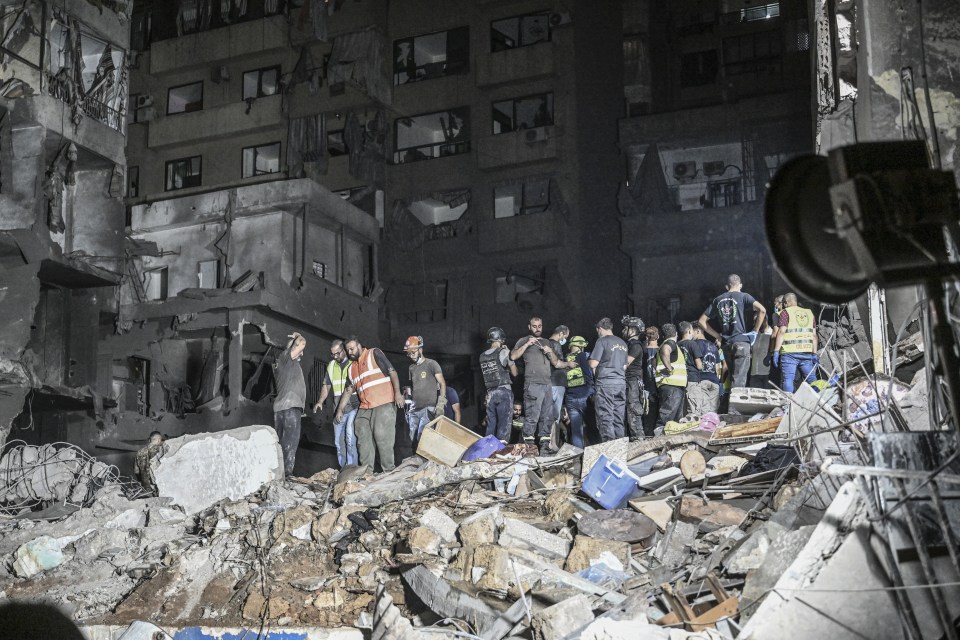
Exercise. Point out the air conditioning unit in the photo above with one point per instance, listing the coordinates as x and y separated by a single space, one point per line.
143 101
685 171
536 135
714 168
558 18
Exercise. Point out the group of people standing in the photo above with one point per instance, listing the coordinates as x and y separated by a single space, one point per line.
638 381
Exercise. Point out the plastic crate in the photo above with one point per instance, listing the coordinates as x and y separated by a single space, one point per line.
445 441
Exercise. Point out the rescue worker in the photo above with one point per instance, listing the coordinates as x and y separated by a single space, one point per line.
378 387
335 379
579 388
796 345
141 464
729 311
291 399
652 335
637 399
671 373
558 375
538 358
609 362
428 386
496 367
711 371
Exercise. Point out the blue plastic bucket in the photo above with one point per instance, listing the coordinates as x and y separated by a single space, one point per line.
483 448
609 482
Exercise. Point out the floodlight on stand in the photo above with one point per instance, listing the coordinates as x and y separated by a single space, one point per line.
871 212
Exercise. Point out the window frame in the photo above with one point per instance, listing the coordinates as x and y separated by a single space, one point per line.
166 168
468 127
259 72
164 284
342 142
130 171
514 102
181 86
546 13
523 208
255 147
412 40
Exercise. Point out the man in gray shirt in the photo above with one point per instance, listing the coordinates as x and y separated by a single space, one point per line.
290 400
608 359
428 387
538 357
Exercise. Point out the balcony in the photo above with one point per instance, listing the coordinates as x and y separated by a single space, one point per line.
522 63
520 233
518 147
217 122
235 41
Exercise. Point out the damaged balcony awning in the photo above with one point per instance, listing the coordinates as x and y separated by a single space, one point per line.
55 268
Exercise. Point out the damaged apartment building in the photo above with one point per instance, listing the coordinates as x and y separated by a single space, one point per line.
166 319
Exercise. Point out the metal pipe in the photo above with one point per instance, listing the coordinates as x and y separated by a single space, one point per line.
948 537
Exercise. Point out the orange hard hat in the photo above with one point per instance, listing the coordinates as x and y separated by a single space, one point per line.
413 343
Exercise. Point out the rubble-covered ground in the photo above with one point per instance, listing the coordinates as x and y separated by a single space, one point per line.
745 528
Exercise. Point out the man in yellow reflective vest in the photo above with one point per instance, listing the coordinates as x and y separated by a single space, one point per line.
671 377
796 345
335 379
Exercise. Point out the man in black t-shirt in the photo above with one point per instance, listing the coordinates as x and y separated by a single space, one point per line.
728 311
704 395
637 399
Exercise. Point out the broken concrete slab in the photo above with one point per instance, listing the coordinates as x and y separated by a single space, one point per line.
482 527
200 470
40 554
424 540
563 619
660 511
521 535
587 551
447 601
440 523
752 552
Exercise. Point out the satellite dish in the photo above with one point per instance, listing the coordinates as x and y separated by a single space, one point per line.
802 234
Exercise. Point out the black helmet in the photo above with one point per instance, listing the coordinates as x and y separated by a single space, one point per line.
633 322
496 334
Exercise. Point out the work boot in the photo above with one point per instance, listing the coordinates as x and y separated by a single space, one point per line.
546 448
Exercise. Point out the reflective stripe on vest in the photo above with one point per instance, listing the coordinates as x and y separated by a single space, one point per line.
373 387
338 377
679 376
798 335
574 376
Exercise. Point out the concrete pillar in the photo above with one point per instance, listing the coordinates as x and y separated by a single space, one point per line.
235 322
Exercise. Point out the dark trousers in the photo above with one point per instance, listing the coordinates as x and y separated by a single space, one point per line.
671 404
287 425
575 408
537 411
737 355
500 413
635 408
610 404
653 413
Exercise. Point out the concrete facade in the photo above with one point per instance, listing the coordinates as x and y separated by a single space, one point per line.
62 161
723 102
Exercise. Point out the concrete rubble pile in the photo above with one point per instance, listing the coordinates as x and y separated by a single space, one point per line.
745 528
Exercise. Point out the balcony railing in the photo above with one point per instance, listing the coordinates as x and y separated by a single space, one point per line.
90 106
750 14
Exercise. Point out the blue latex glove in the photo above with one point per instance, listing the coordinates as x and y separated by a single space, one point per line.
776 359
768 360
752 336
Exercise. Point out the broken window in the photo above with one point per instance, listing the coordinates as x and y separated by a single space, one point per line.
21 27
335 143
520 198
183 173
185 98
752 53
421 302
131 384
133 182
261 82
636 74
431 56
326 253
699 68
517 283
155 285
724 193
523 113
519 31
261 160
432 135
208 274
